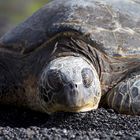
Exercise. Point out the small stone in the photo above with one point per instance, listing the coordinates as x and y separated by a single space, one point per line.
64 131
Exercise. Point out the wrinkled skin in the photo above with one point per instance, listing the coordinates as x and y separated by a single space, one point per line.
65 83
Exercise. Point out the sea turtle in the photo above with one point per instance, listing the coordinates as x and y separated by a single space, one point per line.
73 55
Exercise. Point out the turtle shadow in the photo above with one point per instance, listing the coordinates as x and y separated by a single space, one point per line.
23 118
16 117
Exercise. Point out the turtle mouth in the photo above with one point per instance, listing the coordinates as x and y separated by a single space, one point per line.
85 108
52 108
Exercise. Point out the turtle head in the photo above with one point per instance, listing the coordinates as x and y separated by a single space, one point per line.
69 84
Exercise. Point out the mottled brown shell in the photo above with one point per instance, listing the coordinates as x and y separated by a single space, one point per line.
113 24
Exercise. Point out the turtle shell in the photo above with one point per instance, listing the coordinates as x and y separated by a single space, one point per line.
113 24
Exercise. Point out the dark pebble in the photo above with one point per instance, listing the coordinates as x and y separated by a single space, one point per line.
103 123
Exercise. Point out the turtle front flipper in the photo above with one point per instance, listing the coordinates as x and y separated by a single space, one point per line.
125 97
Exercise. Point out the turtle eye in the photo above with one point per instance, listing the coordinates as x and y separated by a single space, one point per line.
54 79
87 76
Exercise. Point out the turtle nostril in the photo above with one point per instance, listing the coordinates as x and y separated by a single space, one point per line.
71 86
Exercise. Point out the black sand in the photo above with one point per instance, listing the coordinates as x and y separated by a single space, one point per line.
99 124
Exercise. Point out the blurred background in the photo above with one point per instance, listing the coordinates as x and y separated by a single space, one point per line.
13 12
